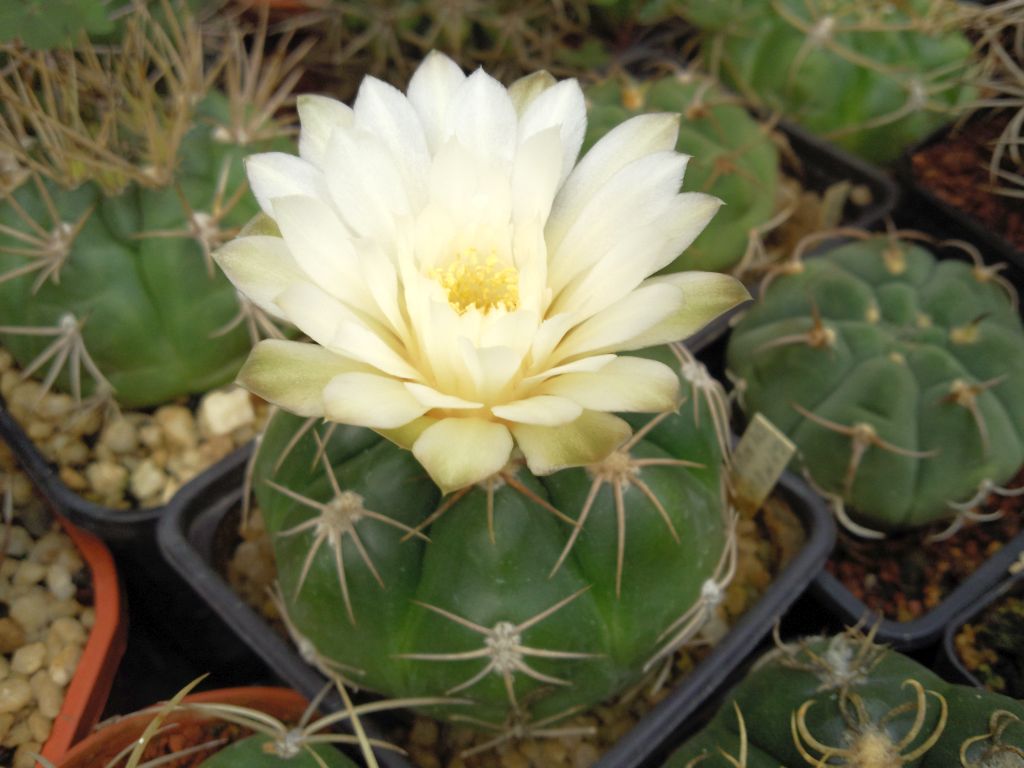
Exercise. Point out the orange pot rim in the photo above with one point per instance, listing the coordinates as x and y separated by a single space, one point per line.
88 690
277 701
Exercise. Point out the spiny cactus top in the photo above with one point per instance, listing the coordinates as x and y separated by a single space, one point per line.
873 76
845 701
528 598
466 283
113 205
901 378
732 157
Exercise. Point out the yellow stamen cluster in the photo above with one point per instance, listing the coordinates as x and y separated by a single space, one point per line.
485 283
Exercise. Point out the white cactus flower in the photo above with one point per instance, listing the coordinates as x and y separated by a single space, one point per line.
465 282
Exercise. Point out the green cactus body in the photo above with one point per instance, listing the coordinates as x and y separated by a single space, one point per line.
843 699
479 610
259 752
733 157
148 307
875 77
899 377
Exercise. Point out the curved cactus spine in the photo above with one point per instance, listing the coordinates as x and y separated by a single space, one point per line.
873 77
733 158
900 378
130 181
845 701
534 597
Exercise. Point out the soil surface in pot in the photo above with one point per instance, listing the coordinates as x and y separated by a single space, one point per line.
992 646
768 540
46 615
956 169
906 575
130 459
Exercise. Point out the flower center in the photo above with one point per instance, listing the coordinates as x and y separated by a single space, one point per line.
483 282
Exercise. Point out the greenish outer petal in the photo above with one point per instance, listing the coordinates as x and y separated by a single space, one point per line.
770 695
462 571
732 158
826 87
151 308
253 753
890 373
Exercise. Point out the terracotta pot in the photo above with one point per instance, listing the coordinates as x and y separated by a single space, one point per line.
87 693
97 749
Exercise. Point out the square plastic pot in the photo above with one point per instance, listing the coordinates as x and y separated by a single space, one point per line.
199 530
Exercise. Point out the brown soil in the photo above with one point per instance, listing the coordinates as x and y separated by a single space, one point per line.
992 646
905 576
957 170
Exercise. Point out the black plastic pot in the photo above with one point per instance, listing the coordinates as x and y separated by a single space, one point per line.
198 533
949 664
926 210
156 594
927 629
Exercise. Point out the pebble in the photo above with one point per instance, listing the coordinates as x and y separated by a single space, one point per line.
179 428
19 542
120 436
12 636
49 696
106 478
15 693
147 480
30 610
58 581
39 726
63 666
25 754
28 659
29 573
225 411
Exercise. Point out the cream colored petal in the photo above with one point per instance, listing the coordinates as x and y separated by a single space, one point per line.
322 247
431 398
491 370
637 254
587 364
406 435
627 142
319 116
626 384
524 90
543 410
313 311
365 184
459 452
633 198
370 400
261 267
561 106
385 113
292 374
431 89
482 118
662 309
590 438
353 339
535 176
276 174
